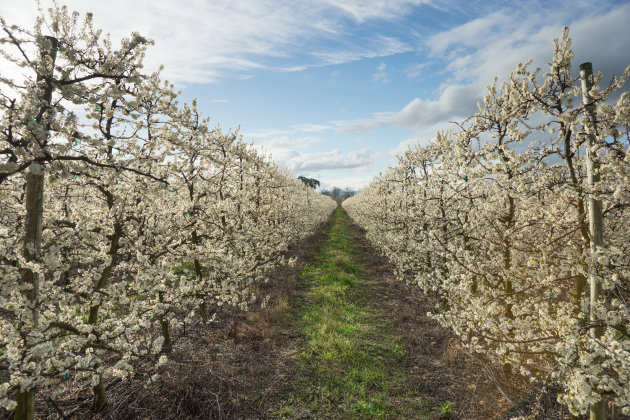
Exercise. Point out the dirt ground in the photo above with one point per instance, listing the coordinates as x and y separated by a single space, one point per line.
234 367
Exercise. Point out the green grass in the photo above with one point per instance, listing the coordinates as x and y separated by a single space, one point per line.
348 360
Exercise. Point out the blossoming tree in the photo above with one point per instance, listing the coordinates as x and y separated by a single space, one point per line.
494 221
108 189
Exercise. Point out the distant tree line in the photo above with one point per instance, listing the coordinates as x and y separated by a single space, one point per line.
335 193
338 194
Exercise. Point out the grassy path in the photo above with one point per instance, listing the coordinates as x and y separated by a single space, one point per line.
349 358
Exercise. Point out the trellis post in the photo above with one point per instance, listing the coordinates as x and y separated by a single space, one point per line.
597 410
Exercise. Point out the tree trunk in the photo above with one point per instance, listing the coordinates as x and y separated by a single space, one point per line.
25 405
203 310
32 248
167 346
100 397
25 409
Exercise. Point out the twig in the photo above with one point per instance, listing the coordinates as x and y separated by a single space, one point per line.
492 378
55 406
496 383
112 383
73 412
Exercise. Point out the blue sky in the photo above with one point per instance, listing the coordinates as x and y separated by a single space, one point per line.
333 89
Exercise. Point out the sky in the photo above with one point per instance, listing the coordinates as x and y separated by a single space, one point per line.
334 89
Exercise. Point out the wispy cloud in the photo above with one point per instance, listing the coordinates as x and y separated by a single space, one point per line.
204 41
381 74
361 10
294 130
284 148
312 128
288 151
379 46
289 143
415 70
266 133
301 67
354 182
492 45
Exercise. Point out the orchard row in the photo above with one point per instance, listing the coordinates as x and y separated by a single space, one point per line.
493 221
122 221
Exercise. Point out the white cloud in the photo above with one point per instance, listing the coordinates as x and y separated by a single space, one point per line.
343 181
362 125
492 45
311 128
333 159
285 147
415 70
294 130
381 74
203 41
294 68
361 10
421 137
454 101
286 142
378 46
265 133
471 33
288 152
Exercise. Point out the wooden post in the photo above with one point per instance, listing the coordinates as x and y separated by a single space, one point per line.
25 399
598 410
25 409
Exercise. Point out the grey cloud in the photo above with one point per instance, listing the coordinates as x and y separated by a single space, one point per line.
497 42
453 102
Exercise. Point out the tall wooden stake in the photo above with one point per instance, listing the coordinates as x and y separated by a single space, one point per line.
598 410
25 399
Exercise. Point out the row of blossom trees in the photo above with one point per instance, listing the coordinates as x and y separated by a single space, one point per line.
492 220
122 213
